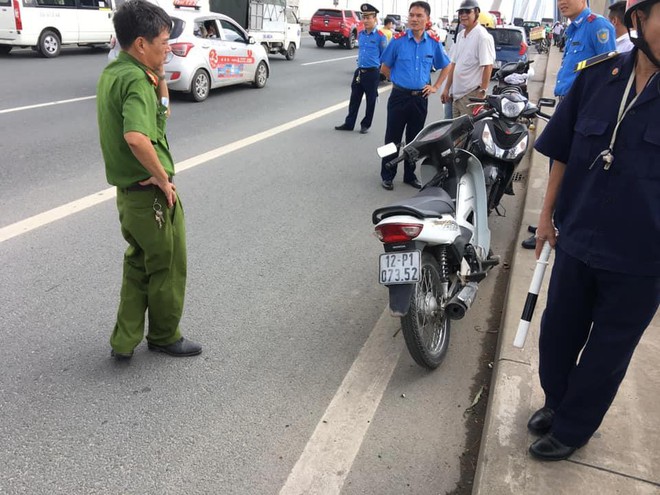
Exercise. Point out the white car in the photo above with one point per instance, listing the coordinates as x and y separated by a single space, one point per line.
211 50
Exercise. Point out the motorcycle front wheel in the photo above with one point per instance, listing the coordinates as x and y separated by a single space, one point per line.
426 325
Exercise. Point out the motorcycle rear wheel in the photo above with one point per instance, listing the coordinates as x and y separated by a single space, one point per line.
426 326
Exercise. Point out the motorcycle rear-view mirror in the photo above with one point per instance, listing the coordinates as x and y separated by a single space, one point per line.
387 150
547 102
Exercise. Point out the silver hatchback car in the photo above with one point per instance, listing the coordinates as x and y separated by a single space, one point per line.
210 50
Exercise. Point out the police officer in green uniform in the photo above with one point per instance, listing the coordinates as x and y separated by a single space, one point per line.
132 106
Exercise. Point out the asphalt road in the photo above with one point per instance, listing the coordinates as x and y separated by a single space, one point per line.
282 293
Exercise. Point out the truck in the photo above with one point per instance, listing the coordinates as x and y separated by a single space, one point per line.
272 23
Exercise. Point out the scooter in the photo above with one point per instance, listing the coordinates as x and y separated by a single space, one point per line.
501 139
437 243
513 75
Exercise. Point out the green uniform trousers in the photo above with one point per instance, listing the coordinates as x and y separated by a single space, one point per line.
154 277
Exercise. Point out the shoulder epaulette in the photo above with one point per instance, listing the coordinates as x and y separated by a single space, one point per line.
590 62
592 17
380 32
433 35
399 35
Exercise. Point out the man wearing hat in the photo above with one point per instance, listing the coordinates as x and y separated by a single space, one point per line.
367 75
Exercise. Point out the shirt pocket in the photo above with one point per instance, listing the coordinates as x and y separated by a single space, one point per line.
591 138
649 162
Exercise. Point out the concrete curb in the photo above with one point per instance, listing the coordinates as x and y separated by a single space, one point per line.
623 455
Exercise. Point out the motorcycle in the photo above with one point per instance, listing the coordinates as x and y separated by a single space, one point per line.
513 75
437 243
500 140
542 45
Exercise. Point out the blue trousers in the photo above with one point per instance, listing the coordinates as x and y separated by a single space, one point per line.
602 314
404 112
365 82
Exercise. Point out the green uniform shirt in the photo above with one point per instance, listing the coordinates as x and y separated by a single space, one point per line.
127 100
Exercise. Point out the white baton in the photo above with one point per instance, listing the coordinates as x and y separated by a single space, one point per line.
532 296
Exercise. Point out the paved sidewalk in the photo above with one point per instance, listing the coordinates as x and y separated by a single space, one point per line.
623 457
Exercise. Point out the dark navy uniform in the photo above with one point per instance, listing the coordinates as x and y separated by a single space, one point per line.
588 35
366 77
410 63
605 285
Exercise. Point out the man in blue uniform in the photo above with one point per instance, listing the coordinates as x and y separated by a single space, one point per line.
588 35
407 62
604 189
367 76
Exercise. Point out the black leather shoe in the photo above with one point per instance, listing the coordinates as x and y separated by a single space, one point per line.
541 421
529 243
415 183
548 448
343 127
387 184
531 229
180 348
364 130
121 356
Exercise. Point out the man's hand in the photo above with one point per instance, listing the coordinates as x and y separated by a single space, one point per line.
428 90
444 97
166 186
545 232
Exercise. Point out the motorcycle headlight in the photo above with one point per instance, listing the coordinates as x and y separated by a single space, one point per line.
487 139
512 109
519 149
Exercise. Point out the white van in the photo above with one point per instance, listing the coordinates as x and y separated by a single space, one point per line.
46 25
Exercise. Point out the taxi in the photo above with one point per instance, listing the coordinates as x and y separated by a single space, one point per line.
211 50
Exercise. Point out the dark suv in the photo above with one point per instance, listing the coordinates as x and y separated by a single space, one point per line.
336 25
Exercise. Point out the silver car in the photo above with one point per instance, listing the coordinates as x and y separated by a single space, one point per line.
210 50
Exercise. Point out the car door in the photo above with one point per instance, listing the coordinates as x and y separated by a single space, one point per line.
236 62
94 21
207 40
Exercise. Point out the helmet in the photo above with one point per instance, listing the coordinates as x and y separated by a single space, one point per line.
631 6
469 4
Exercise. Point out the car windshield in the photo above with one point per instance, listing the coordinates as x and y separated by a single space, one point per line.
329 13
506 37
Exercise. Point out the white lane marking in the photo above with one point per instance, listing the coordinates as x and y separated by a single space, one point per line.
41 219
48 104
330 452
329 60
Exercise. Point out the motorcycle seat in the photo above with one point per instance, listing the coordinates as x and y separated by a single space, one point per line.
430 202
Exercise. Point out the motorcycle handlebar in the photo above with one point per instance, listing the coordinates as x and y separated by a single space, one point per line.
390 165
543 115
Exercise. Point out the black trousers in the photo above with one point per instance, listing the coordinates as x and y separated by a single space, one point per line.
365 82
404 112
602 314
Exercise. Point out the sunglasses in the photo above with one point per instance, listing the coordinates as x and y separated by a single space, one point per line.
464 11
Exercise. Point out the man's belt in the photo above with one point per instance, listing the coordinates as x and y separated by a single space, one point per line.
411 92
368 69
139 187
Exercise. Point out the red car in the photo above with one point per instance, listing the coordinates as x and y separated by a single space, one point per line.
336 25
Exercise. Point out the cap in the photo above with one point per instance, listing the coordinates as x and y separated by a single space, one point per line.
367 8
468 4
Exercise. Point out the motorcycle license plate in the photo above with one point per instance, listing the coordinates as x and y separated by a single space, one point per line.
400 268
325 34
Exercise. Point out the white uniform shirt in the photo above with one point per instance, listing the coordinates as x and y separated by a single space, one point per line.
623 43
470 54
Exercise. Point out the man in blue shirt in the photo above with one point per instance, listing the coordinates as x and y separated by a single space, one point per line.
587 36
407 62
603 191
367 76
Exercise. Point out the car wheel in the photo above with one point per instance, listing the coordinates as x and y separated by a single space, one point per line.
260 75
200 86
291 52
49 44
320 42
5 49
350 42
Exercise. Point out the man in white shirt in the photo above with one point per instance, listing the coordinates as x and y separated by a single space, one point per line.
623 43
472 60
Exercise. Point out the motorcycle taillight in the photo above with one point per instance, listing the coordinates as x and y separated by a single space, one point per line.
398 232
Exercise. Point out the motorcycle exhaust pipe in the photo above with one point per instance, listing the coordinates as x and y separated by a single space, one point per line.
461 302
